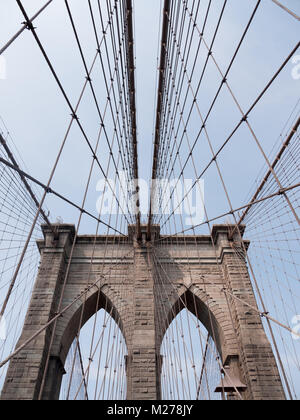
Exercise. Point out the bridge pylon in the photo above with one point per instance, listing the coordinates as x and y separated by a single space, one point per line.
162 277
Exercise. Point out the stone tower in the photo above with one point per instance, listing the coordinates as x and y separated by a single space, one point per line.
200 269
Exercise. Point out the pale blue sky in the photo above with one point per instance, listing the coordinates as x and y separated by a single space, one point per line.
37 116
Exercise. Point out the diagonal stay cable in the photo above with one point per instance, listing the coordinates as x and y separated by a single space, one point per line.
203 73
58 315
27 186
261 200
51 191
69 266
286 9
276 161
245 119
93 93
239 124
73 111
25 26
59 154
131 82
177 101
165 34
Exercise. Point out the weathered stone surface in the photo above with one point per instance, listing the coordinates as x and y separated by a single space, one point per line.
132 283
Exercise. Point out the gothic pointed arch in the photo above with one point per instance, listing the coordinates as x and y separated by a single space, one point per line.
75 320
203 306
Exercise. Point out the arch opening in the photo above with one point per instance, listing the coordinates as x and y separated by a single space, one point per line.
96 362
201 310
192 343
191 368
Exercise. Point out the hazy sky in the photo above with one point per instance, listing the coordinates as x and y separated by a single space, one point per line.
37 116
